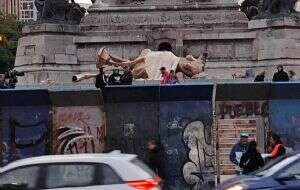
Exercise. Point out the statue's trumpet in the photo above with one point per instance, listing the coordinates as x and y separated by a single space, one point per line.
83 76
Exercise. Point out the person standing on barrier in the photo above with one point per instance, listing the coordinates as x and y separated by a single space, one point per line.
114 78
172 78
238 150
280 75
164 75
292 75
260 77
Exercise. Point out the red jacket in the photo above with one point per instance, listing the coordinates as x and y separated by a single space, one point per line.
165 78
278 150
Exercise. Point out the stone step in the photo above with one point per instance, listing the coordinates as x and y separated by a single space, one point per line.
237 131
231 141
226 163
227 172
233 126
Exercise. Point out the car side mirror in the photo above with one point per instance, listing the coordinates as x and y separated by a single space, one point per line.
14 186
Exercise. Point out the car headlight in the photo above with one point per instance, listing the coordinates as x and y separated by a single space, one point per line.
235 187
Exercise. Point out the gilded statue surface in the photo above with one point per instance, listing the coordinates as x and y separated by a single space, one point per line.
148 63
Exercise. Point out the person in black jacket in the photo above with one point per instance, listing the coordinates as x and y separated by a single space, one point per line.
252 159
155 158
280 75
126 78
114 79
260 77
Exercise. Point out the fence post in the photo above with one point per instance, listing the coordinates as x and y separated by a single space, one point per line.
216 134
1 140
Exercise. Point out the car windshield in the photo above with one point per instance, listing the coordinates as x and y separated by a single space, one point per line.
274 165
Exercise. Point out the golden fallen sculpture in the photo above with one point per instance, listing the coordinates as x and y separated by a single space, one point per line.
148 63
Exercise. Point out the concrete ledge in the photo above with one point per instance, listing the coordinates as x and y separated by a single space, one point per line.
109 38
142 38
58 68
274 22
218 36
50 28
200 6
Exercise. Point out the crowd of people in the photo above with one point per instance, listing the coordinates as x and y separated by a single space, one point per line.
246 158
279 76
169 77
244 155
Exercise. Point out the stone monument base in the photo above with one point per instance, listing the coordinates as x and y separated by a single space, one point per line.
47 52
277 42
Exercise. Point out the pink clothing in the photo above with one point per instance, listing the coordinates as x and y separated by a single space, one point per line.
165 78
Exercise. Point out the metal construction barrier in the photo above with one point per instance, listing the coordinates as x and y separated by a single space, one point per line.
25 123
197 124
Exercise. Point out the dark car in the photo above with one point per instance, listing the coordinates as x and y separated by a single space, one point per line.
281 173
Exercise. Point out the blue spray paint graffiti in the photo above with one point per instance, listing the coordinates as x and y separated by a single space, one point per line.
285 121
25 132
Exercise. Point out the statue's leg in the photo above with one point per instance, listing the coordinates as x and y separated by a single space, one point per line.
139 72
105 58
126 64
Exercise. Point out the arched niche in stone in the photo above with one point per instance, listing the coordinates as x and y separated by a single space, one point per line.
165 46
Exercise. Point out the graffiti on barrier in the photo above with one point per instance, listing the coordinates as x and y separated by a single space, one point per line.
234 117
129 130
24 140
189 152
78 130
236 109
199 167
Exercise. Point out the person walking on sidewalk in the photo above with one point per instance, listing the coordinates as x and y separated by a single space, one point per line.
155 158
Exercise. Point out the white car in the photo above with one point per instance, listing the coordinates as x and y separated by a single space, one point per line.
112 171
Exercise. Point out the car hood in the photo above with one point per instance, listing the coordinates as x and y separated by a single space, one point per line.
249 181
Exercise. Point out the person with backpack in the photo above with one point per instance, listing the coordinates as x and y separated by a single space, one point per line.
251 160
